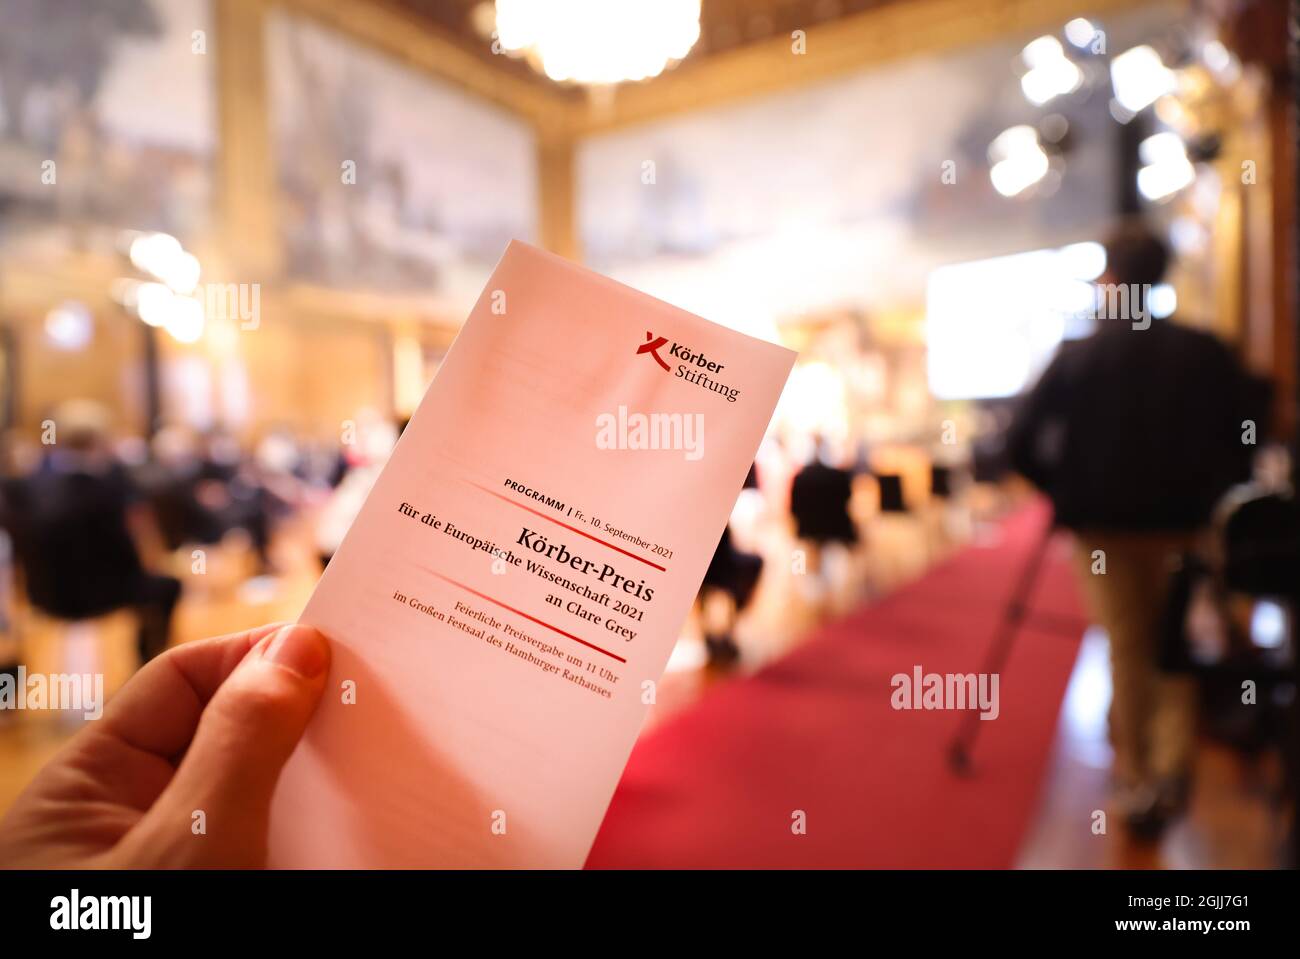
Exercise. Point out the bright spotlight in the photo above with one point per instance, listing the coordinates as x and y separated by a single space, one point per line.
1051 73
1084 261
1140 78
69 325
1080 31
153 303
1018 160
1167 168
1162 180
1162 301
162 257
185 321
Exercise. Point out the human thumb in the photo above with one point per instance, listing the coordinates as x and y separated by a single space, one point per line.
245 736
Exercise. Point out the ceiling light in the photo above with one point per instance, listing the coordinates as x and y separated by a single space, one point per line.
185 320
1018 159
69 325
153 303
1140 77
599 41
1166 169
1051 73
1080 32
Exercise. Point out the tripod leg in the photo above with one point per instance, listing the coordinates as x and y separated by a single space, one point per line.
963 743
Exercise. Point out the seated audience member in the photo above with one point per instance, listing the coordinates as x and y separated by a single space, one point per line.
819 501
73 523
727 588
1133 433
9 652
201 492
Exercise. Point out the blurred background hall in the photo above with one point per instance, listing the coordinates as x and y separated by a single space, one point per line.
237 237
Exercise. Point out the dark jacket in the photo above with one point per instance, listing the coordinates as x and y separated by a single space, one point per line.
1135 430
71 534
819 500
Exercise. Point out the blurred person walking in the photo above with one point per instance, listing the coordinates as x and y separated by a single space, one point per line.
1134 433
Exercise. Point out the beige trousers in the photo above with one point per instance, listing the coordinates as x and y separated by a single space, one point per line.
1152 715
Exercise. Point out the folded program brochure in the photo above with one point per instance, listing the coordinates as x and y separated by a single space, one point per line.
508 596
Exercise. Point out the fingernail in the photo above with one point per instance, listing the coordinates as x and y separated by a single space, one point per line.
299 649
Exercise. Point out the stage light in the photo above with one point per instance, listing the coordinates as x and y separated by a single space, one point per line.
1160 182
1162 148
1084 261
599 41
1162 301
1075 300
1167 168
152 252
1042 51
161 256
1216 56
182 273
1268 624
1051 73
992 325
1187 236
69 325
1140 77
153 303
1221 61
185 320
1018 159
1080 32
813 400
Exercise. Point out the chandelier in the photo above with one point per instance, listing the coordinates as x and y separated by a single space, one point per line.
598 42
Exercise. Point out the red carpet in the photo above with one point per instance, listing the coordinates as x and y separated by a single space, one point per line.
716 785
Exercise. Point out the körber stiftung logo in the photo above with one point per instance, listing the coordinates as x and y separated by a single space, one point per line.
693 367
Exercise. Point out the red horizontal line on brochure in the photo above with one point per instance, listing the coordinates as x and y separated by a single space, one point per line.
520 612
572 529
